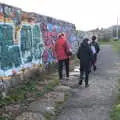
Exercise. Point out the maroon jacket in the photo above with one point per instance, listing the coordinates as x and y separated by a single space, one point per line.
60 49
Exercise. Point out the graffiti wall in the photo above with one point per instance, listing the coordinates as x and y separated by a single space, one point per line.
29 38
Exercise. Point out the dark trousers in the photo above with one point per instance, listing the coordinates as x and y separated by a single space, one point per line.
60 67
94 62
84 70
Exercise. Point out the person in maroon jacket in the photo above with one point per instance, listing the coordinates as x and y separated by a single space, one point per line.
61 48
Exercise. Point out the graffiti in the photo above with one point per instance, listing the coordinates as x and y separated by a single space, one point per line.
31 43
73 41
16 17
6 38
29 38
49 35
26 43
37 44
1 13
9 54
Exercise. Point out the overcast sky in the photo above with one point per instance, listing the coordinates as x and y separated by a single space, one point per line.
85 14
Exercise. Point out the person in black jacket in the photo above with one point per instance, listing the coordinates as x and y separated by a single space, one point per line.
97 49
85 55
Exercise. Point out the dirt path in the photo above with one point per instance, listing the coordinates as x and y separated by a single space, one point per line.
95 102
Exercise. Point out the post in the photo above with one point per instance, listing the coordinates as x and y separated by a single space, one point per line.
117 29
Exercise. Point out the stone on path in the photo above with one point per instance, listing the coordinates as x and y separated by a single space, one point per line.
30 116
42 106
63 88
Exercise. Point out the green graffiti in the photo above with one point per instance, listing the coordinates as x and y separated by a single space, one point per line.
15 56
9 54
6 62
26 43
10 57
37 42
6 34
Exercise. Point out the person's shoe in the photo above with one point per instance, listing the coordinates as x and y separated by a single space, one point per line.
86 86
80 82
94 68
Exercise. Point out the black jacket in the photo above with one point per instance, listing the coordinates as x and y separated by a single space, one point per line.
85 54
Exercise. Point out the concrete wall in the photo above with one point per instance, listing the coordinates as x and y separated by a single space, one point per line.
27 39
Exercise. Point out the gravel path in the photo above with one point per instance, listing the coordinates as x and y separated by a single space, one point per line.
95 102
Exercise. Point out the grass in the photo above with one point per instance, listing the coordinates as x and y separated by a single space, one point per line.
4 118
103 42
116 45
21 94
115 114
49 116
49 87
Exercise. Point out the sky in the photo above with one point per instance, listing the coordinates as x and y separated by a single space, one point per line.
85 14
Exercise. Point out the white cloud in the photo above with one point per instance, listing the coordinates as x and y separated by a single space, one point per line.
86 14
